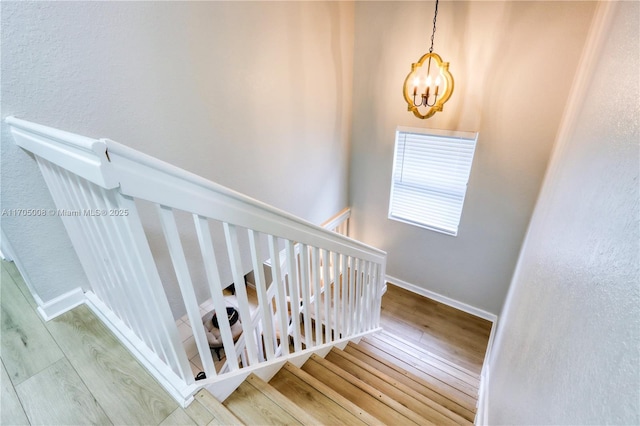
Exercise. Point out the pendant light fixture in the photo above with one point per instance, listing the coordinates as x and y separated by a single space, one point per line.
429 84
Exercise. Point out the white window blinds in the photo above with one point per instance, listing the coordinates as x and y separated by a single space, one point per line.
430 175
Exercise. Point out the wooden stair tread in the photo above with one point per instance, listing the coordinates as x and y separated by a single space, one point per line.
253 407
378 404
445 346
402 393
458 370
466 409
221 414
318 399
288 405
423 360
431 378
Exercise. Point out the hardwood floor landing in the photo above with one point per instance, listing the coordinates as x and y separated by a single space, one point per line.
445 331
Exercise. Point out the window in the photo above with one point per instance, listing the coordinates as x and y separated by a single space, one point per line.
430 175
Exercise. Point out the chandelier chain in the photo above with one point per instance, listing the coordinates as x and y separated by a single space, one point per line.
435 15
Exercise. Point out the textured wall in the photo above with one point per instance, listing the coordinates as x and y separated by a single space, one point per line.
567 351
513 63
253 95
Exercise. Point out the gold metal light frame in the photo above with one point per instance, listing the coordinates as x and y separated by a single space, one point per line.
440 100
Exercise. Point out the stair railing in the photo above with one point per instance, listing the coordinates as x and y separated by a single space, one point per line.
325 290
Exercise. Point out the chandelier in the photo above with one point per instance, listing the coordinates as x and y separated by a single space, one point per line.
429 84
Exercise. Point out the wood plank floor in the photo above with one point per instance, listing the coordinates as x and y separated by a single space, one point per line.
453 335
72 370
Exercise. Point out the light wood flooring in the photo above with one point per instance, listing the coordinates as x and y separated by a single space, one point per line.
454 335
72 370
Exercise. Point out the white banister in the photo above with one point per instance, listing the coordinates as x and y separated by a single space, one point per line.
320 278
339 223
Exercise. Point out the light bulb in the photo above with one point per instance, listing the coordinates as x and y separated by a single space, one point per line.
428 80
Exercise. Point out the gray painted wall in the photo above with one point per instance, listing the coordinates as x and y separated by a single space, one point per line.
254 96
513 64
568 348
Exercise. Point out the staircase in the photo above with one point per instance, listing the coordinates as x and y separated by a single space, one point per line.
380 380
311 349
115 202
380 365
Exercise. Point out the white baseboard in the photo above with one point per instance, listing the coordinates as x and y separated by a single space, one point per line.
51 308
443 299
482 412
61 304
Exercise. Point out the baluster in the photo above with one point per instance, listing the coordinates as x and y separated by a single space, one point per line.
336 295
83 247
231 235
380 282
109 294
344 293
367 296
181 268
352 295
113 295
281 302
153 291
264 303
326 277
136 301
294 294
358 296
306 300
124 295
364 311
215 288
317 292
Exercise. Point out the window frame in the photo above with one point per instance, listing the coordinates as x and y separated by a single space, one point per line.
436 133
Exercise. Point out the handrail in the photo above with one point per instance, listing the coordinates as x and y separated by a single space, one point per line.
135 182
328 278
